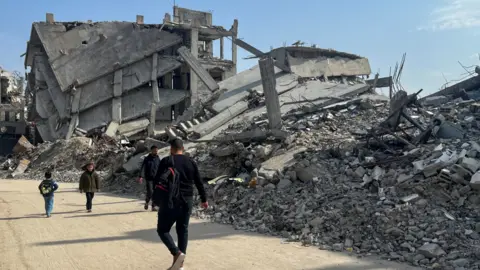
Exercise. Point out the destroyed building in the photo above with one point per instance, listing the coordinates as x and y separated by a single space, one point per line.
12 113
128 76
464 89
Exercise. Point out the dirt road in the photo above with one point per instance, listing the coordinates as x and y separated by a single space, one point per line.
119 234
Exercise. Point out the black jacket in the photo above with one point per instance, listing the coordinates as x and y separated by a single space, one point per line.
150 167
188 175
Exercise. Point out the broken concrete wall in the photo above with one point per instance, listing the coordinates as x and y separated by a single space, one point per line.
133 76
135 104
325 66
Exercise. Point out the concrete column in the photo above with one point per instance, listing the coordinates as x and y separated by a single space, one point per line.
267 71
50 18
155 94
117 96
139 19
194 51
221 47
210 48
167 81
234 46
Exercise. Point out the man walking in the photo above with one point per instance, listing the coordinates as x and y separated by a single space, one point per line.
89 183
178 208
149 170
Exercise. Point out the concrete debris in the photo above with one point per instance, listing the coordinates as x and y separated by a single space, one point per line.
22 145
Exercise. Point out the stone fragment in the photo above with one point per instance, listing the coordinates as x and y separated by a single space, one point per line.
360 171
471 164
304 175
149 142
223 151
316 222
409 198
475 181
404 177
433 169
431 250
338 247
268 174
378 173
284 183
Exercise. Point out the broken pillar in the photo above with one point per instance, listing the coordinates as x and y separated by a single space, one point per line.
139 19
156 95
50 18
267 72
221 47
198 70
234 45
194 51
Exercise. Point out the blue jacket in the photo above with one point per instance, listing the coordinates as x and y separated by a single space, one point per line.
47 187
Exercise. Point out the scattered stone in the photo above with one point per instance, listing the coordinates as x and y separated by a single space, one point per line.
360 171
304 175
475 181
431 250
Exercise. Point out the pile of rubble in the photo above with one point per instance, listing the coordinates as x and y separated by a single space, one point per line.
66 158
324 186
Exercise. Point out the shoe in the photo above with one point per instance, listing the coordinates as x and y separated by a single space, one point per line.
145 206
89 210
48 215
178 263
154 209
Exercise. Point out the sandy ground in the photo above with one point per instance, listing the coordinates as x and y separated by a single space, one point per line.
119 234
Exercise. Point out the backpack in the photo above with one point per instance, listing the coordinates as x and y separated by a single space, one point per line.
46 188
167 188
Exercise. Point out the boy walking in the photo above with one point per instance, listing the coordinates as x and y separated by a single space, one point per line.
89 183
47 187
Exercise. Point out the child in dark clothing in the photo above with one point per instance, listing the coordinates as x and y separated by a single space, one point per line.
47 188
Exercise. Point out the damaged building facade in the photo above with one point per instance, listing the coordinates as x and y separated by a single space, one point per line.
126 76
12 113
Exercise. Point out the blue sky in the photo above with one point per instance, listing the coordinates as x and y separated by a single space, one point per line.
435 34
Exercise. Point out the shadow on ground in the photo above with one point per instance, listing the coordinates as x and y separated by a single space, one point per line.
40 215
106 214
107 203
197 231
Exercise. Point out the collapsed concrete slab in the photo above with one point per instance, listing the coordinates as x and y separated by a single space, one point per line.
95 41
237 87
198 69
317 62
136 125
58 97
221 118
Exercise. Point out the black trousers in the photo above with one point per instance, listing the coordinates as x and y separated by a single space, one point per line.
167 217
90 196
149 187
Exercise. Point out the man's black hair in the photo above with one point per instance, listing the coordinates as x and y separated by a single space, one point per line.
48 175
153 147
176 144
